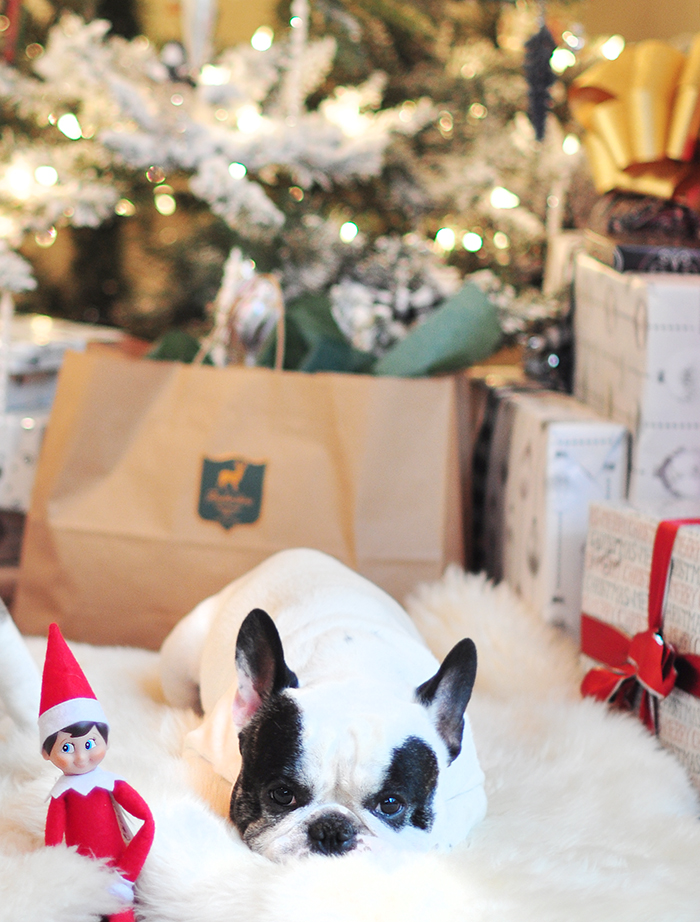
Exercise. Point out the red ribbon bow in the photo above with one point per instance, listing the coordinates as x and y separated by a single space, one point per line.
644 661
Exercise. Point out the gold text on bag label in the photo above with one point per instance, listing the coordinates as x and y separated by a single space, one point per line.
231 491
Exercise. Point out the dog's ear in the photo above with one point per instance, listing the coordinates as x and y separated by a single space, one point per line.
446 695
260 665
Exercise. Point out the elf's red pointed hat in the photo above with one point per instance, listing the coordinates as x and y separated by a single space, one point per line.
66 696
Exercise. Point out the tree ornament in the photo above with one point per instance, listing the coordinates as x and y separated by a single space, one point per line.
540 77
198 17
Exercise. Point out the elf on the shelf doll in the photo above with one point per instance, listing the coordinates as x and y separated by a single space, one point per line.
86 803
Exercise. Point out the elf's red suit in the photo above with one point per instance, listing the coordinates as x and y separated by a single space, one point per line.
85 811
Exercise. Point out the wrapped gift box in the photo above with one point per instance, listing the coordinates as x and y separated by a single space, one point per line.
38 344
487 387
21 435
491 428
549 457
638 362
616 593
36 349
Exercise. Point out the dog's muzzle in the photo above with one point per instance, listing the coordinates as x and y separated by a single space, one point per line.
332 834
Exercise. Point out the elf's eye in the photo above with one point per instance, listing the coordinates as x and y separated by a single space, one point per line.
390 806
89 744
283 796
68 747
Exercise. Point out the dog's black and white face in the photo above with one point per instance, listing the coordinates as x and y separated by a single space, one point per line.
341 766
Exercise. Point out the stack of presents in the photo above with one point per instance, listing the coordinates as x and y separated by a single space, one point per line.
589 505
577 499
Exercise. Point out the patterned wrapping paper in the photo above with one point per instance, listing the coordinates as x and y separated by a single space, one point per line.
35 352
21 437
550 456
638 362
616 591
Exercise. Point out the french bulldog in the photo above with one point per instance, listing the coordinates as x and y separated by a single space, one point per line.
328 724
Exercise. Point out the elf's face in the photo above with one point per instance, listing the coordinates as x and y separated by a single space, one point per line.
75 755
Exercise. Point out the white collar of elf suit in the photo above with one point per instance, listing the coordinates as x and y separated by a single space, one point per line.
83 784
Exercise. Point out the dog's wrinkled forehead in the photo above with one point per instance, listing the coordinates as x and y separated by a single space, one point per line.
353 734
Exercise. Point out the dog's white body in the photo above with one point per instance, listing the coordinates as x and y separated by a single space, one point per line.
359 660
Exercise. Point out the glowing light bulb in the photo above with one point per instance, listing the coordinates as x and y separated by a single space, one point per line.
613 47
155 174
46 175
46 238
503 198
211 75
124 208
446 238
561 59
501 241
165 203
472 242
446 122
237 170
348 231
19 179
571 145
407 110
70 126
262 38
248 119
295 22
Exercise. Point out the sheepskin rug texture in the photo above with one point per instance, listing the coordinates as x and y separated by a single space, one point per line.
588 818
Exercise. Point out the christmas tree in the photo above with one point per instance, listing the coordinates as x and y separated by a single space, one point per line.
370 154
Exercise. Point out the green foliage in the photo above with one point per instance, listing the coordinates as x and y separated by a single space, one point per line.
176 346
463 331
313 340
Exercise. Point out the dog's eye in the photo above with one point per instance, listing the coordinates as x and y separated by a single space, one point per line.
390 806
282 796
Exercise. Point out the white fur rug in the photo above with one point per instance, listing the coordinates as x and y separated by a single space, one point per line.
588 819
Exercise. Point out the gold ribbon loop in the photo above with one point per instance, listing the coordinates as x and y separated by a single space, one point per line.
655 74
685 124
641 113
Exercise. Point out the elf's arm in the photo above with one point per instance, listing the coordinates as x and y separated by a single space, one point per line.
55 821
136 851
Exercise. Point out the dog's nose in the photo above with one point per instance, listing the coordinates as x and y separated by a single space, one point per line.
332 834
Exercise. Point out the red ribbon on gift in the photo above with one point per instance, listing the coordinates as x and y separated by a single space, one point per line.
644 661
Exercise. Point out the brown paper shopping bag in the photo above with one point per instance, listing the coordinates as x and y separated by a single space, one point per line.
160 482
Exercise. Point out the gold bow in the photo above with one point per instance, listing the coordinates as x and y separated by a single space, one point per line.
641 114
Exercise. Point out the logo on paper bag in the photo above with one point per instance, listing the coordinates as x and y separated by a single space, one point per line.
231 491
